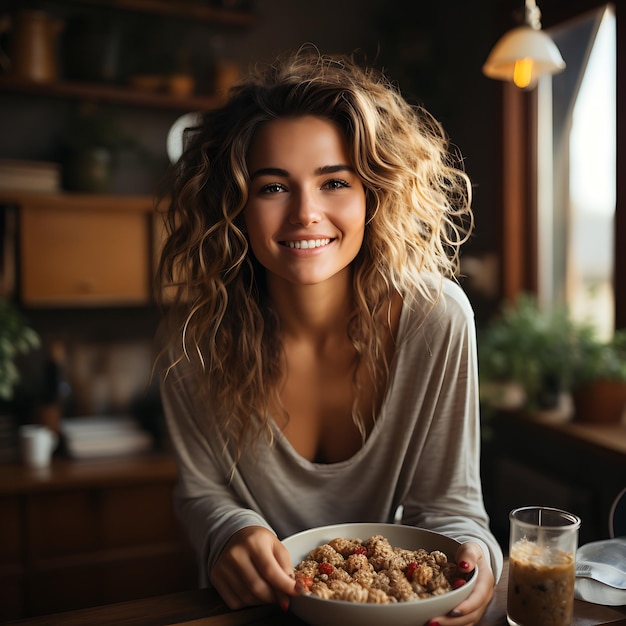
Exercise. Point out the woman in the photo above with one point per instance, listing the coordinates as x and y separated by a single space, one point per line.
321 362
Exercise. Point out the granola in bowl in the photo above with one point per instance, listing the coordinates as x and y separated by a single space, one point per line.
355 574
374 571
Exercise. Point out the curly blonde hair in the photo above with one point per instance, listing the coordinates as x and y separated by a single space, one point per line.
417 216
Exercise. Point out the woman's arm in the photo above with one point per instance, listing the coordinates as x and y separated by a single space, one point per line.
446 494
204 498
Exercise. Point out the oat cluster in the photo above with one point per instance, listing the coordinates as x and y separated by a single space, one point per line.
373 571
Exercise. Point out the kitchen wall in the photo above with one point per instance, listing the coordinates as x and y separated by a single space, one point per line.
434 51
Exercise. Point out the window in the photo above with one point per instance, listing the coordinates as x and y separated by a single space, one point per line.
564 175
576 172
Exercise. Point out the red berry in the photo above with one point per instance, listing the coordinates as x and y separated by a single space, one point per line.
410 568
326 568
459 582
361 550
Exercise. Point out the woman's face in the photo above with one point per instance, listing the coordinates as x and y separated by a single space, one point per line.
305 213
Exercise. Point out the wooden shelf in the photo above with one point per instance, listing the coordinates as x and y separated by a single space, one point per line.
97 473
113 94
182 9
78 201
190 10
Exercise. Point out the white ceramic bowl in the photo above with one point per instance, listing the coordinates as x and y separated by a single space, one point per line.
318 612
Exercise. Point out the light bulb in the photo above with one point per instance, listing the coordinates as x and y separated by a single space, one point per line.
523 72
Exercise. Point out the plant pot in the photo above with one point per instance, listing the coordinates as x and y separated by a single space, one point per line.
90 170
559 411
601 401
503 395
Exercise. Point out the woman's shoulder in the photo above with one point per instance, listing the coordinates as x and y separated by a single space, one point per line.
446 313
444 300
436 327
456 300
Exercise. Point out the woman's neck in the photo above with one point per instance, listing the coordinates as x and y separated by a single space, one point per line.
315 312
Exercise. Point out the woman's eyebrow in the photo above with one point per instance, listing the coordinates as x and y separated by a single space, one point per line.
320 171
333 169
269 171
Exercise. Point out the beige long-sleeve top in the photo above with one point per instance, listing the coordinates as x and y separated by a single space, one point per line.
422 454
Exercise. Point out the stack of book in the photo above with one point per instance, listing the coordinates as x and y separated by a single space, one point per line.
104 436
34 176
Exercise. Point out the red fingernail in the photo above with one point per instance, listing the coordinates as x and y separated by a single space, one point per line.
432 623
463 564
284 605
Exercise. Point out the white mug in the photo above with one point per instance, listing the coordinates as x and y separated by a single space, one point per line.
37 444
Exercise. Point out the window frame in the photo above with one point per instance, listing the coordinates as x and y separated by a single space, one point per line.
519 247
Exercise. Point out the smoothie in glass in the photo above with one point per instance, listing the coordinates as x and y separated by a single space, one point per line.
542 572
541 585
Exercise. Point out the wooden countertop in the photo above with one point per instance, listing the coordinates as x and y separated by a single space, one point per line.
204 608
608 437
605 439
68 473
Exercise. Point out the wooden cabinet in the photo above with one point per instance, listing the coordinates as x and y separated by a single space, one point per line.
575 466
83 250
89 533
11 563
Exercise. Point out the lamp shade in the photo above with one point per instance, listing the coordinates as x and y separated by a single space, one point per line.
522 55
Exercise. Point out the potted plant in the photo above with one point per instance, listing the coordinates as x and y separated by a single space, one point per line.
16 338
525 358
599 379
92 144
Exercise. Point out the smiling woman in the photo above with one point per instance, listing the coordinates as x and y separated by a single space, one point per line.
319 345
305 218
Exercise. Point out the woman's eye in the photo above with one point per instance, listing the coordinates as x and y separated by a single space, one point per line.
272 188
335 183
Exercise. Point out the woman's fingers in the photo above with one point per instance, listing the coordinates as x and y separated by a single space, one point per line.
275 569
470 611
254 568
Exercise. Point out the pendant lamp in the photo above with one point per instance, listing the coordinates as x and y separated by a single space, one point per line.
525 53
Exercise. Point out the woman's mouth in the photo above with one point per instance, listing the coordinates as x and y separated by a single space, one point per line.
306 244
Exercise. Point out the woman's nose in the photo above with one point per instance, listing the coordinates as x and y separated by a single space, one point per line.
305 209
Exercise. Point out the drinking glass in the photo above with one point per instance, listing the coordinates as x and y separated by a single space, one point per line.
542 554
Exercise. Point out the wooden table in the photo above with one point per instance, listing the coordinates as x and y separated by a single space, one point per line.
203 607
84 533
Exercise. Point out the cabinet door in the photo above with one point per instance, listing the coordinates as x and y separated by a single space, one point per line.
84 256
12 571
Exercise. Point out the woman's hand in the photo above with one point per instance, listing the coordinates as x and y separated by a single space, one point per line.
473 607
254 568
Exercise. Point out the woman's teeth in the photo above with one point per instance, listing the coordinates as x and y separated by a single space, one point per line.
307 243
